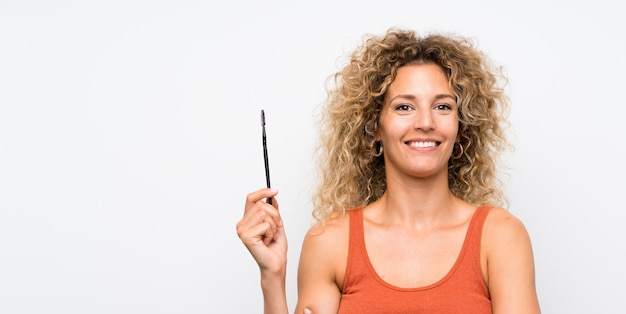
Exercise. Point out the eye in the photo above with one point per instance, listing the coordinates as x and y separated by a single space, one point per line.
403 107
443 107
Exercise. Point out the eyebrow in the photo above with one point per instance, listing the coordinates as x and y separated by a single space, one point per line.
412 97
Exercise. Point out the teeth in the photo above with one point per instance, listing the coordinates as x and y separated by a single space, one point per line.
422 144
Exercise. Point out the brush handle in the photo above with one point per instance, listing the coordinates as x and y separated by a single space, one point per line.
265 156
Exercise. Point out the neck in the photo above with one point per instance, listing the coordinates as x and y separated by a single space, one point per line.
419 203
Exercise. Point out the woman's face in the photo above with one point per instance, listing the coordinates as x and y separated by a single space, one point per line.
418 122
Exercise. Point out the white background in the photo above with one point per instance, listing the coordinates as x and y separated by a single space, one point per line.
130 135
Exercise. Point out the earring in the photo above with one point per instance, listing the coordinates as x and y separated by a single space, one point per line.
378 149
460 153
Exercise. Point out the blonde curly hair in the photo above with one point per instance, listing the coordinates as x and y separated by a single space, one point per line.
350 173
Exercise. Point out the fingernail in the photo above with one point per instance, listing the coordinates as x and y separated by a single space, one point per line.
307 311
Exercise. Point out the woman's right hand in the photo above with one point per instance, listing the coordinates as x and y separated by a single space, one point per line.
261 231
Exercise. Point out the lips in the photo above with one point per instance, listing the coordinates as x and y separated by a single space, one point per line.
423 144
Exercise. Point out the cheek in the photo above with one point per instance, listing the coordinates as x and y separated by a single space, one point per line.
393 129
456 130
452 126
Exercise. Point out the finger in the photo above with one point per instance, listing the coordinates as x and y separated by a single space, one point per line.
257 215
268 220
274 202
262 217
270 233
263 232
280 237
272 212
260 194
251 209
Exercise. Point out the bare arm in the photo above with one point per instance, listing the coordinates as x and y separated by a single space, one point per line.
510 265
262 233
323 256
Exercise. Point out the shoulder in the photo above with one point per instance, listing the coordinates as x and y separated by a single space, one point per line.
327 237
509 263
322 265
325 247
504 234
501 225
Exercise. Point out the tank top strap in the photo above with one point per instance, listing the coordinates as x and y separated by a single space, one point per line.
474 236
356 222
356 264
478 220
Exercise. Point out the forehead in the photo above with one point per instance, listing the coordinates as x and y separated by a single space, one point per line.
419 81
420 75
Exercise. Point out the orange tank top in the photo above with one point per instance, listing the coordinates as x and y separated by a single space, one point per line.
462 290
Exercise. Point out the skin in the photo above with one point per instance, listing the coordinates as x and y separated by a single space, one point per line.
418 127
262 232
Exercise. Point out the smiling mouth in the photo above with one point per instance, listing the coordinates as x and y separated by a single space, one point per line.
423 144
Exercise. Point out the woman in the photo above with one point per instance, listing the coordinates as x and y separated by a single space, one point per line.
406 211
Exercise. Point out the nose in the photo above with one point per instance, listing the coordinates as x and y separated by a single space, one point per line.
424 120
